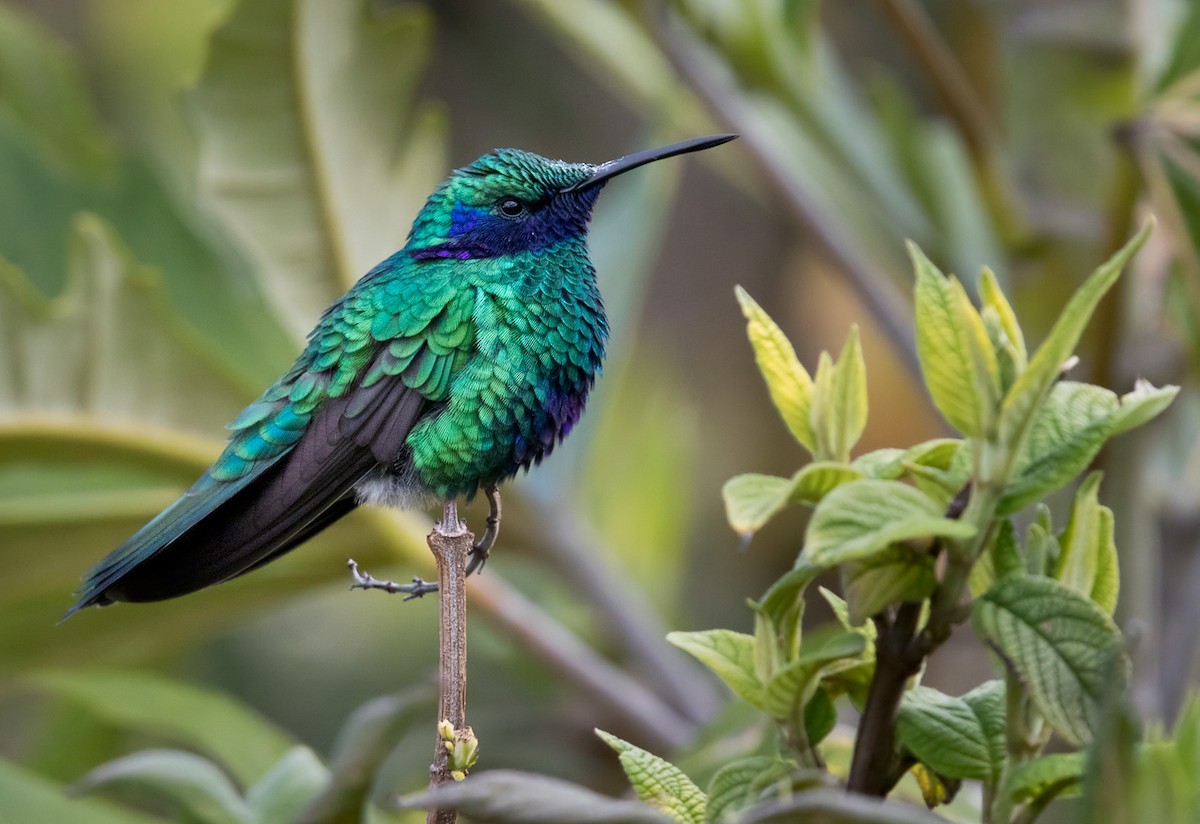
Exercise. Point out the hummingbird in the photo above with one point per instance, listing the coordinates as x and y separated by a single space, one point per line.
455 363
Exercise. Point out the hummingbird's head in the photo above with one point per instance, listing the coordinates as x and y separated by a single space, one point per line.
512 201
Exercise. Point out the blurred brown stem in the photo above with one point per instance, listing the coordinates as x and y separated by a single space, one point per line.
450 542
961 103
874 286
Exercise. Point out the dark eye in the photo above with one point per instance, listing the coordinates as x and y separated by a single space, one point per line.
511 207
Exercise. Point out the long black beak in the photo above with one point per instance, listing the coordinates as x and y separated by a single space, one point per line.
631 161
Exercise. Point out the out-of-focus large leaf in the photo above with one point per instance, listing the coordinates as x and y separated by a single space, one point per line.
57 160
238 738
108 347
193 787
28 797
310 151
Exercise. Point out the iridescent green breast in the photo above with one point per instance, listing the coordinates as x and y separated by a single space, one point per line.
539 331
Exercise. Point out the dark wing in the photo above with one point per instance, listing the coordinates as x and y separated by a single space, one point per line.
296 454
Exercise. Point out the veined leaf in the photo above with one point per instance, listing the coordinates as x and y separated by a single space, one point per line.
790 688
899 573
1087 547
738 784
1068 430
1058 642
945 733
659 783
1057 774
956 357
861 518
727 653
787 380
1033 385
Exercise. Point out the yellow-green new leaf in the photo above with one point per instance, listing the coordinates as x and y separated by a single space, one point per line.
990 294
787 380
1143 404
752 499
1087 561
1034 384
659 783
956 356
840 403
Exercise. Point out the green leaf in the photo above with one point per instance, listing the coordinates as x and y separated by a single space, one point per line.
817 479
1026 396
792 687
1000 558
739 783
194 787
956 357
820 717
899 573
889 464
1067 432
366 739
238 738
988 703
1143 404
944 733
511 797
285 791
26 796
787 380
659 783
1053 775
752 499
861 518
1058 642
839 406
1087 560
991 296
727 653
311 152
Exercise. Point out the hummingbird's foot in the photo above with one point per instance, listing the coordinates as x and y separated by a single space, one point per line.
365 580
482 549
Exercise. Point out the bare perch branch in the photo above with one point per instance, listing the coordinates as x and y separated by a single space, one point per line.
451 543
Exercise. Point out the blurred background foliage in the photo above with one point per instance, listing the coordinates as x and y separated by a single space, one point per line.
187 184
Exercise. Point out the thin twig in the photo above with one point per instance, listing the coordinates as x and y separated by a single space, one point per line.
962 105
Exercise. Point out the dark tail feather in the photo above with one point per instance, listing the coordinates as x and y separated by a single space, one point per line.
219 530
